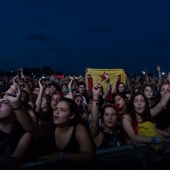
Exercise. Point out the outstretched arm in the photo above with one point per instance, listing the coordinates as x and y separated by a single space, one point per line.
95 129
159 107
108 85
24 117
39 98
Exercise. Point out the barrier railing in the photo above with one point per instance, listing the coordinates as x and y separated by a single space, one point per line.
124 156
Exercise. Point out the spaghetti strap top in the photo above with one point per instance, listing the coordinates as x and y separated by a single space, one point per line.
71 147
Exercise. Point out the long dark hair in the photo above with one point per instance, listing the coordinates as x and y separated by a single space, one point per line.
153 103
146 115
73 109
103 110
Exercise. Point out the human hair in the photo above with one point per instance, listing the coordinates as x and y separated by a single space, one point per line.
82 83
158 97
146 115
117 89
73 109
60 93
121 94
153 99
103 110
78 95
147 85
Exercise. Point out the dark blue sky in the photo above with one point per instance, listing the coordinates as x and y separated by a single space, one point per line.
72 35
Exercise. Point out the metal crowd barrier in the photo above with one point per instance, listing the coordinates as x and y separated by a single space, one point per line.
139 157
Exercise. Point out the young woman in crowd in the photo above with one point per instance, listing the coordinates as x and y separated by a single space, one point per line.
14 140
163 119
150 95
67 142
137 121
43 108
120 100
109 135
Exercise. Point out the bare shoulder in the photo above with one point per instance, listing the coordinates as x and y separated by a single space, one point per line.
126 117
81 130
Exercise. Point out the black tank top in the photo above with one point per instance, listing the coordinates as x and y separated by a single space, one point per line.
48 144
112 140
9 141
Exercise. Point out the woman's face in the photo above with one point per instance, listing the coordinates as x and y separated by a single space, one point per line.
139 104
164 89
79 100
121 88
148 92
62 114
64 88
6 109
54 100
120 101
47 90
110 117
44 103
128 95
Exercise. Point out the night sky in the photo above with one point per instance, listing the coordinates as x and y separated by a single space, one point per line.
72 35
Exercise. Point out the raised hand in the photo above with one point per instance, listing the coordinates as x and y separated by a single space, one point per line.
96 89
158 68
14 100
107 76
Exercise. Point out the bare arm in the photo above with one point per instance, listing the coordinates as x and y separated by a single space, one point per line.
39 98
159 107
24 117
128 84
108 85
70 92
95 128
86 154
23 146
126 122
159 75
113 90
86 148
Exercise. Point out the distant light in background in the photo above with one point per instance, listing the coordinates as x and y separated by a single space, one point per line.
143 72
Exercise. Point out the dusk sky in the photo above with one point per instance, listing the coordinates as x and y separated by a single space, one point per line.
72 35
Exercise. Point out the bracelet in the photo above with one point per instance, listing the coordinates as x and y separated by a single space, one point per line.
70 89
156 140
95 100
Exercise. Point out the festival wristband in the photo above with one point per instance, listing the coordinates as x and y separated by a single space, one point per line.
156 139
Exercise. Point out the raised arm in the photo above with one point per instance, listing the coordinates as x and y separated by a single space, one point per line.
107 76
39 98
95 128
126 122
24 117
87 83
128 84
70 90
162 103
159 75
113 90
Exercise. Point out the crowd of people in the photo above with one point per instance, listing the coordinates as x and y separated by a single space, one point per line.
62 122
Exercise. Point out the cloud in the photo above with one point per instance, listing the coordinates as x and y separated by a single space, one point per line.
100 29
38 37
56 49
36 23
